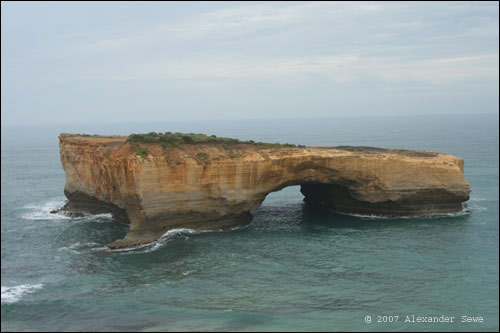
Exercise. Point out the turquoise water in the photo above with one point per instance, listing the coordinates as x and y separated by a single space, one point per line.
292 268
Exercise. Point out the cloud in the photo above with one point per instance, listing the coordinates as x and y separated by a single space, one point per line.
299 42
436 71
221 22
320 51
340 69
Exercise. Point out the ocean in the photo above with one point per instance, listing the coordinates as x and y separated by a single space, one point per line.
293 268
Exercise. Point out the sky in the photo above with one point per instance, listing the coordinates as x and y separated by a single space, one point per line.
157 61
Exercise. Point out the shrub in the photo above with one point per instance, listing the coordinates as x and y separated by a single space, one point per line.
107 153
202 155
140 151
176 139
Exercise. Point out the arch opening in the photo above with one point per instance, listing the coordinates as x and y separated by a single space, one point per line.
332 196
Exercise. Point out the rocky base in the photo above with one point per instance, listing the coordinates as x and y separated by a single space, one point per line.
422 202
81 205
134 238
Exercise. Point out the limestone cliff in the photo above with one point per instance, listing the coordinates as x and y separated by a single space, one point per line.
214 186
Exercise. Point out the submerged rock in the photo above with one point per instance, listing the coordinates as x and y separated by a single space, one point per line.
69 213
208 186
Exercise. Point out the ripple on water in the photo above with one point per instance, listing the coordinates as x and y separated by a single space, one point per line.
467 209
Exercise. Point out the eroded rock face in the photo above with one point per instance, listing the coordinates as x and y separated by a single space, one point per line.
208 187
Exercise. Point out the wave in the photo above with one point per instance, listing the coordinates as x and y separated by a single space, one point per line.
474 199
76 247
467 209
162 241
159 243
477 199
43 212
13 294
88 218
153 246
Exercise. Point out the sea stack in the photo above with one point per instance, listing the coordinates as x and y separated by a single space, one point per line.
212 184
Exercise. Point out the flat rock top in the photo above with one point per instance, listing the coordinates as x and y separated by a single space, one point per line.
119 144
93 138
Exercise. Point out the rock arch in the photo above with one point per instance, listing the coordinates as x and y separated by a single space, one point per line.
179 189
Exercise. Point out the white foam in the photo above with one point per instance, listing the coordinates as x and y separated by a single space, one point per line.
43 211
102 248
77 246
467 209
477 199
67 248
173 232
162 241
350 230
472 208
13 294
126 249
153 246
88 218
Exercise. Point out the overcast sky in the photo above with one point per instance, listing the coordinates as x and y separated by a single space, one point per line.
110 62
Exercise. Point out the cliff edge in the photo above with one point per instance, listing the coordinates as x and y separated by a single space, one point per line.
205 186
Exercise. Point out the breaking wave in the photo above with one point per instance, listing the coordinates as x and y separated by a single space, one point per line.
13 294
43 212
159 243
153 246
76 247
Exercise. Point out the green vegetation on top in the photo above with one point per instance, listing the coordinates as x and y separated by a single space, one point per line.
177 139
140 151
107 153
94 135
202 155
354 148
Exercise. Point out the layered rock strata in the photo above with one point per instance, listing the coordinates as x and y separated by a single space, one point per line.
216 186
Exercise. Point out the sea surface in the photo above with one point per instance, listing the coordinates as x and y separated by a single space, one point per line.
292 268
